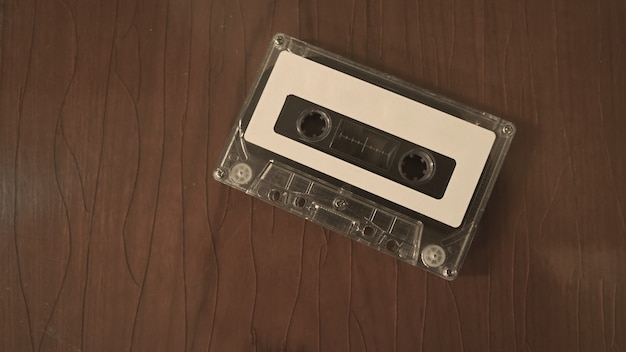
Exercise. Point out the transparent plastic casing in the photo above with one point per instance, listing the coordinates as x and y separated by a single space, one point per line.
357 213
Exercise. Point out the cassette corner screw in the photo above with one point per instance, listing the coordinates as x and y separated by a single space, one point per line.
340 203
219 173
279 40
449 272
507 129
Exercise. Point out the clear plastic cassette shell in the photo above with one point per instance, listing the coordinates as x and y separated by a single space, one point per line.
358 212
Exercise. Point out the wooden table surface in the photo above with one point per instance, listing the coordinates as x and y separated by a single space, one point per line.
115 237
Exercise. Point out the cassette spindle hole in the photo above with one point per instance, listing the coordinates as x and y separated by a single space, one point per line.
274 195
433 256
241 173
417 166
299 202
314 125
392 245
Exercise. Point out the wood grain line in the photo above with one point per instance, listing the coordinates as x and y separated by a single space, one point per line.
423 330
97 185
613 344
350 35
395 319
214 256
488 330
381 40
73 156
436 52
565 134
212 234
133 26
578 314
15 178
458 315
184 238
526 282
132 276
158 191
62 126
49 332
273 16
138 162
552 198
207 179
348 318
183 128
243 34
610 164
131 23
405 43
483 73
69 229
419 35
295 301
512 273
358 325
535 118
579 246
507 46
323 252
602 314
256 276
323 248
56 173
561 104
452 43
530 68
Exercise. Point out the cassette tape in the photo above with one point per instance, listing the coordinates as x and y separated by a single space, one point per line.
383 162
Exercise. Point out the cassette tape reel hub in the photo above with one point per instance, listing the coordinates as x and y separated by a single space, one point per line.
383 162
417 166
313 125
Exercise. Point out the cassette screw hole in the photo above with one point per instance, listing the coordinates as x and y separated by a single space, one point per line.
507 129
274 195
219 173
416 166
279 40
340 204
368 231
314 125
449 272
392 246
299 202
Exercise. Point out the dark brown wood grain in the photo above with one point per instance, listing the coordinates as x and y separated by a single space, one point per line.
115 237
